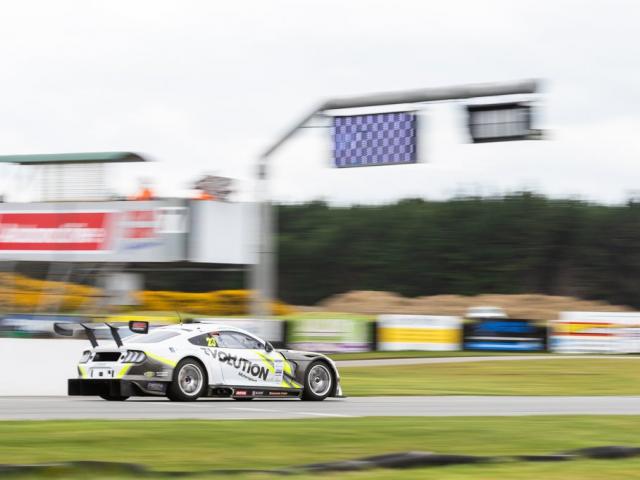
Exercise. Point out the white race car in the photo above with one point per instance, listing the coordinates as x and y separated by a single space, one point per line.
188 361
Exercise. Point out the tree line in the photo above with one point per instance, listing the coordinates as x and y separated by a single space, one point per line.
519 243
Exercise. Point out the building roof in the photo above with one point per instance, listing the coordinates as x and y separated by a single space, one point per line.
64 158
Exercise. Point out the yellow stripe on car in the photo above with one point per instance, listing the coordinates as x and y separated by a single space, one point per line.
291 382
287 366
82 372
267 361
124 370
160 359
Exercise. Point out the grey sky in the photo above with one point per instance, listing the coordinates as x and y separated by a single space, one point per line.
203 86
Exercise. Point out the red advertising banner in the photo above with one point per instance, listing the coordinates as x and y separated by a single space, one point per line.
54 231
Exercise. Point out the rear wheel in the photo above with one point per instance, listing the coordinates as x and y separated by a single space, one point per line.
113 398
318 382
189 381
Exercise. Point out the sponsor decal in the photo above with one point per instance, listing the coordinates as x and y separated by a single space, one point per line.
278 366
278 394
156 386
246 369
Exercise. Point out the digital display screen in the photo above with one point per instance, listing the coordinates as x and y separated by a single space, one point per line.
500 122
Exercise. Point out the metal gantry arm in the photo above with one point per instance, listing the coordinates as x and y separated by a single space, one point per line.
263 278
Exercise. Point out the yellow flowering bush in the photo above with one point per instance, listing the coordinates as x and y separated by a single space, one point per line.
19 293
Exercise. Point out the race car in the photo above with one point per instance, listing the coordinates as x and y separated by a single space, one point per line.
187 361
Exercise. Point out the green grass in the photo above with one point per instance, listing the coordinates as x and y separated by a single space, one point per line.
607 376
199 445
423 354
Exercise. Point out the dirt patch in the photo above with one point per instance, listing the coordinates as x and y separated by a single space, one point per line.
538 307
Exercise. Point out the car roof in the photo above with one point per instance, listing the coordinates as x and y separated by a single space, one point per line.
198 328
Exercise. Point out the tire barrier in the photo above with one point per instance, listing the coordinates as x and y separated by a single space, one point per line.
560 457
399 460
607 452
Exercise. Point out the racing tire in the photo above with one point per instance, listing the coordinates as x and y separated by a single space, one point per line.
318 382
113 398
189 381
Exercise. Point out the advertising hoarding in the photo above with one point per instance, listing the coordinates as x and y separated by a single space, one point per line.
504 334
419 332
54 231
171 230
595 332
141 231
326 332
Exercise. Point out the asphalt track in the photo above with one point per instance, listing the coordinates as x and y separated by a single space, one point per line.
67 408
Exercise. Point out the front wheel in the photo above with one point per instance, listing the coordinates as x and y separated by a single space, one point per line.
114 398
189 381
318 382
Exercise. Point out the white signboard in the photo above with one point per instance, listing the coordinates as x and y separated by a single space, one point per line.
419 332
595 332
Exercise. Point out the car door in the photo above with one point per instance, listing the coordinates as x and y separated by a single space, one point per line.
244 361
206 342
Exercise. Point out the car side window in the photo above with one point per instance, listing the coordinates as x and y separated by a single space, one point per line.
238 340
210 339
199 340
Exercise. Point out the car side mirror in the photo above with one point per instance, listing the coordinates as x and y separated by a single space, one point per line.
268 347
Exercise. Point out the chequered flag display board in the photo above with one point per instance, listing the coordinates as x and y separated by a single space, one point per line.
376 139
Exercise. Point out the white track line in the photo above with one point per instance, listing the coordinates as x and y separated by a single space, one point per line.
248 409
323 414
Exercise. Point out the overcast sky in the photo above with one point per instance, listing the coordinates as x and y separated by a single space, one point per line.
204 86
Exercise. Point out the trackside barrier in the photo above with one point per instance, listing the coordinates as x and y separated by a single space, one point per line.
330 332
595 332
419 332
504 334
38 366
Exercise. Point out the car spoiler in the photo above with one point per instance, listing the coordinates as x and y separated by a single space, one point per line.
68 329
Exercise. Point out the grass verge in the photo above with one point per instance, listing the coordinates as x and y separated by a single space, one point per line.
423 354
606 376
199 445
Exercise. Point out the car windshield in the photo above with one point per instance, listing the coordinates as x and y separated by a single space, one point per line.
153 337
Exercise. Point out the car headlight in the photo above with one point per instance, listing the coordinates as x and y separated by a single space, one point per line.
134 356
86 356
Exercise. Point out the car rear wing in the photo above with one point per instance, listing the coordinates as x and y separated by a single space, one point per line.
68 330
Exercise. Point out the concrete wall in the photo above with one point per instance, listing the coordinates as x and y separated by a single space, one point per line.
38 366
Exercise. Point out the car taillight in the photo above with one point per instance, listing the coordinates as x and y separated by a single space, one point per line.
86 356
134 356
